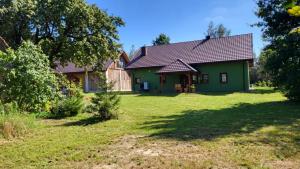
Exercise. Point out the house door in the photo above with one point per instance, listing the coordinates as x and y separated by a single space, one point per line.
184 80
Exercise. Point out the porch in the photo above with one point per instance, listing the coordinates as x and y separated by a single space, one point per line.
179 82
181 77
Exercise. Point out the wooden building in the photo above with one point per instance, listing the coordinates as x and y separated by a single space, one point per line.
113 69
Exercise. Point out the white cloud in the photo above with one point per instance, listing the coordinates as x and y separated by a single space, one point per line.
217 14
214 19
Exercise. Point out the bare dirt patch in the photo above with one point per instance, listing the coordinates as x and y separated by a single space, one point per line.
142 152
134 151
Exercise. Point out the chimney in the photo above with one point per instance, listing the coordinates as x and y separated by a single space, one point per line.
144 51
207 37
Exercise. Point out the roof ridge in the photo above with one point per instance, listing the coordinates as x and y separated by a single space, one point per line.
231 36
187 65
223 49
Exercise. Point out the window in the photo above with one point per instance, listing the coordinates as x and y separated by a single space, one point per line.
137 80
204 78
121 63
223 78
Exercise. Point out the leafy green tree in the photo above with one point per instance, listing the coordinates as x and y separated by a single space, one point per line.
295 11
67 30
15 19
27 78
259 72
262 71
162 39
217 31
283 51
275 22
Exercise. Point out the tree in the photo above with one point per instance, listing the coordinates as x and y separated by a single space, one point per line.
162 39
67 30
217 31
27 78
132 52
222 31
258 72
105 103
283 51
295 11
211 29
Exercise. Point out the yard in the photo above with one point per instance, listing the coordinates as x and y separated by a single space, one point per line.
260 129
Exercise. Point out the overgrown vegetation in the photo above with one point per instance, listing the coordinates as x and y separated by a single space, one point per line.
26 78
280 24
13 123
69 103
258 72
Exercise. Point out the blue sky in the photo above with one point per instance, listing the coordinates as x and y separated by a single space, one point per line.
182 20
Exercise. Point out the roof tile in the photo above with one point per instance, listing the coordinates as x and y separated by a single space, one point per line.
177 66
231 48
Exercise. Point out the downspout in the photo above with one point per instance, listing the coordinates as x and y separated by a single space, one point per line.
132 81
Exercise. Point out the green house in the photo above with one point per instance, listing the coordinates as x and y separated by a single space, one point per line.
209 65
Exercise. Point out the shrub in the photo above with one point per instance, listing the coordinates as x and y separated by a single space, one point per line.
106 102
67 107
263 83
26 78
9 108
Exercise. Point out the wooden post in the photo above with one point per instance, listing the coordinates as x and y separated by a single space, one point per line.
161 81
190 82
120 80
86 80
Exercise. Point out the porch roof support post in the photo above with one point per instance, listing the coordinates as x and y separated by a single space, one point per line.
86 80
190 81
161 81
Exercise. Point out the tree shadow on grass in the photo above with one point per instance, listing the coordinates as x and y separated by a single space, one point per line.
84 122
209 124
167 94
220 93
263 91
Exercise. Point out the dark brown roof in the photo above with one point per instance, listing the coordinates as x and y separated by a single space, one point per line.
231 48
177 66
72 68
3 44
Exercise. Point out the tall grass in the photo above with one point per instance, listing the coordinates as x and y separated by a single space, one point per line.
13 123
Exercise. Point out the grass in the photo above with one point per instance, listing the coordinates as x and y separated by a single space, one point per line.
16 125
260 129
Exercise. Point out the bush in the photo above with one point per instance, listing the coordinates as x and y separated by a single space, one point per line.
26 78
67 104
67 107
9 108
263 83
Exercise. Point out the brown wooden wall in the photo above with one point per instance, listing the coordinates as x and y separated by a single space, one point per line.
120 78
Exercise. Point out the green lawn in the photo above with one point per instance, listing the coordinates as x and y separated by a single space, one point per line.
260 129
